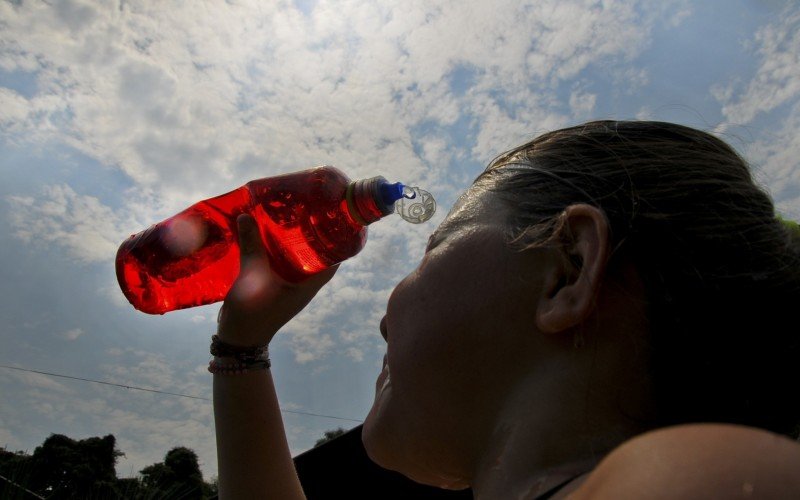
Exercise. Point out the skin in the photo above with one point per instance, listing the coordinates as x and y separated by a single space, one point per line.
483 384
479 334
443 348
252 450
698 461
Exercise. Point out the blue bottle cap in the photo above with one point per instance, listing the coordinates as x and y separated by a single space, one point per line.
390 193
412 203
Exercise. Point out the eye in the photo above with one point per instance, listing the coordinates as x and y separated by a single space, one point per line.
433 241
428 245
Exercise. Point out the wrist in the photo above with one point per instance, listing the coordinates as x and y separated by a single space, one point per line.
242 330
234 359
241 341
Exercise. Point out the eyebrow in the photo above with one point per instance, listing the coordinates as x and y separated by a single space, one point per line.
430 239
435 238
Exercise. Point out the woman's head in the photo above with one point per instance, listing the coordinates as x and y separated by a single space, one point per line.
446 364
679 247
719 269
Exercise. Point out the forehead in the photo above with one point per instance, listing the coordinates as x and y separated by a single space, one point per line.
475 206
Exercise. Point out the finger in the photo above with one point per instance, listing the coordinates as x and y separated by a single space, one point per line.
249 237
319 279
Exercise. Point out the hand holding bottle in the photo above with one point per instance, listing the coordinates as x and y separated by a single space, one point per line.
310 221
260 302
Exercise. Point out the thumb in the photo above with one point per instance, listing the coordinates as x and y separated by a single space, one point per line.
250 243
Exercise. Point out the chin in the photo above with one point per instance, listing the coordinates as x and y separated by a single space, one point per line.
378 450
378 435
384 443
388 453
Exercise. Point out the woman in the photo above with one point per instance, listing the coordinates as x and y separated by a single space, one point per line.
602 314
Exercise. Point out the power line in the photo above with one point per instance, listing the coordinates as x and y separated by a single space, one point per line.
133 387
105 383
20 487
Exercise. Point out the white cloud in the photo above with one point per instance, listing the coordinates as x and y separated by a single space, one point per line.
582 103
775 86
189 101
198 318
680 15
307 339
88 230
435 151
355 353
72 334
189 108
145 433
775 157
37 380
777 80
500 131
181 104
645 113
14 109
632 79
143 369
30 120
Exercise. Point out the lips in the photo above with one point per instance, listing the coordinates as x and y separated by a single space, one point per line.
383 376
384 333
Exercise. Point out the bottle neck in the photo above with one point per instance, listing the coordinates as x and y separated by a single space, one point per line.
365 202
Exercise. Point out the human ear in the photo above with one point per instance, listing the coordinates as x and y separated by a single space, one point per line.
572 283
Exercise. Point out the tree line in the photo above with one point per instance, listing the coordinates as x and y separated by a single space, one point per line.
66 468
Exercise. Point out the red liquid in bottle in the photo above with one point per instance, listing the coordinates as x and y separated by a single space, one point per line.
192 258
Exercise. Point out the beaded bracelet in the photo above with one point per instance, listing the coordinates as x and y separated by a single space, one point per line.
243 358
236 368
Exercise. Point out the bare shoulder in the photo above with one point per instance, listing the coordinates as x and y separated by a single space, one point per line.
699 461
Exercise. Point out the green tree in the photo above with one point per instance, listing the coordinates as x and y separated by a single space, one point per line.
65 468
15 474
794 229
178 476
329 435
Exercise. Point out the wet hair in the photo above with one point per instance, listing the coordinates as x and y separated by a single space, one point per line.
720 270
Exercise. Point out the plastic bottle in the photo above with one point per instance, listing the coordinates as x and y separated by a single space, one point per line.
309 221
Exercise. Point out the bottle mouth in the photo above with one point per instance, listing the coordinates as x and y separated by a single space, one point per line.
416 205
364 200
371 199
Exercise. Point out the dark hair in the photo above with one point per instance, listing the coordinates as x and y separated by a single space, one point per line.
721 272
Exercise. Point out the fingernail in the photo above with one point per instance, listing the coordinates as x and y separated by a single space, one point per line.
245 228
243 221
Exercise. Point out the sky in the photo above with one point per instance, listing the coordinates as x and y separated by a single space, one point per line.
116 115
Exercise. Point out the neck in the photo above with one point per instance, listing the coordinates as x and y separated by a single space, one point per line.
576 404
567 433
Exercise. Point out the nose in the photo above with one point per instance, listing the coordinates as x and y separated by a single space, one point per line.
383 329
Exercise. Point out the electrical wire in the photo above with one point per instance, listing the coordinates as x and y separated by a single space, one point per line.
21 488
167 393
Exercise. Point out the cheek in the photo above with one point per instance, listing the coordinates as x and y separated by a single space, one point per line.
432 329
456 300
415 321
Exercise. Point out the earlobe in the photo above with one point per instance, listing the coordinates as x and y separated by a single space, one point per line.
572 282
